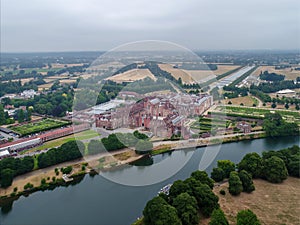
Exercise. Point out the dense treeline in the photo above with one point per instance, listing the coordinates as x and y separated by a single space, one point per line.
275 126
271 76
11 167
118 141
194 196
273 166
14 87
198 66
185 200
275 86
66 152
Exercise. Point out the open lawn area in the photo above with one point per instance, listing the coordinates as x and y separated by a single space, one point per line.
274 204
39 126
84 135
246 100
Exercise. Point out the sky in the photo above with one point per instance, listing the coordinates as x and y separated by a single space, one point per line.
96 25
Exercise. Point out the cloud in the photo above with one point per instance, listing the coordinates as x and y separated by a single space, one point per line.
55 25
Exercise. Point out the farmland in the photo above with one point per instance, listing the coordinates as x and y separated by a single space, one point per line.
190 76
290 74
39 126
132 75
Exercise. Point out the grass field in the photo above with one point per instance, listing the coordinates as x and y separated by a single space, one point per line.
35 127
274 204
289 74
246 100
84 135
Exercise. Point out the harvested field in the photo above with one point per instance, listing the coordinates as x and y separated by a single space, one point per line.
132 75
289 74
67 81
45 86
188 76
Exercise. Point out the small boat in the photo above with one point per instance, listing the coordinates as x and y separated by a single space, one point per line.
165 189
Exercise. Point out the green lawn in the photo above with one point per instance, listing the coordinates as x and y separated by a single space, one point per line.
84 135
35 127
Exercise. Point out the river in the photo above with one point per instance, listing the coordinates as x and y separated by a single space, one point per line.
98 200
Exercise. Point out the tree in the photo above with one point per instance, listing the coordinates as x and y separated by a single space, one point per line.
235 184
177 188
95 147
218 218
159 212
112 143
247 182
187 209
203 178
207 200
139 135
247 217
252 163
297 107
7 176
2 115
217 174
273 105
227 166
286 105
275 170
21 116
143 147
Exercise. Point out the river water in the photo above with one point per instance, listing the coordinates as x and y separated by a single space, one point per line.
99 200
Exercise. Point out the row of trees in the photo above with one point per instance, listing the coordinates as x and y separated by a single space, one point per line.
68 151
120 140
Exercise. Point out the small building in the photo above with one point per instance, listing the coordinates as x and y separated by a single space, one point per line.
28 93
244 127
4 154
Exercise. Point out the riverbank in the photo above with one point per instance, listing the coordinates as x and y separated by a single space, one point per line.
103 161
169 146
113 160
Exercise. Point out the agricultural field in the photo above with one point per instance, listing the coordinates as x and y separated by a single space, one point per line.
185 75
132 75
39 126
190 76
290 73
45 86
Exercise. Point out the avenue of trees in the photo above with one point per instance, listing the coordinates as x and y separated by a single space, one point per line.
121 140
68 151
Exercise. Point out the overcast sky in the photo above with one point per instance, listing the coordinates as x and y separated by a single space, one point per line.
71 25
